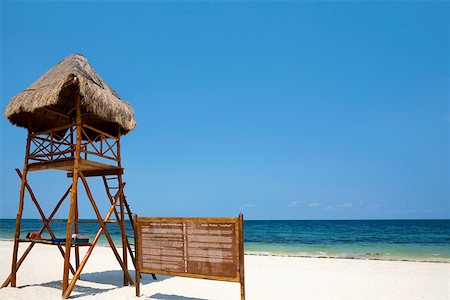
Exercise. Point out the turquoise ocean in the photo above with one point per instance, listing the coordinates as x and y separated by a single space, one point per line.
421 240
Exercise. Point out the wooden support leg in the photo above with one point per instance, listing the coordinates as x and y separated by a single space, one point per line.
91 248
44 219
77 248
15 252
17 232
24 255
105 230
19 263
73 195
124 234
19 212
125 243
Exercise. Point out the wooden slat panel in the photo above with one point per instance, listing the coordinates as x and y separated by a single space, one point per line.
175 219
191 247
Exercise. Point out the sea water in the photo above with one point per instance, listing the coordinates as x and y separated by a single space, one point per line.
427 240
422 240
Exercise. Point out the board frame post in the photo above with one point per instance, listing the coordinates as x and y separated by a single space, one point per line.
241 256
137 259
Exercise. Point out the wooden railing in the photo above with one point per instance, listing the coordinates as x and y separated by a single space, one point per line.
59 143
51 144
99 145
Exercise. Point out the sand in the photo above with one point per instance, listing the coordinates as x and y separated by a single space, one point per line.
267 277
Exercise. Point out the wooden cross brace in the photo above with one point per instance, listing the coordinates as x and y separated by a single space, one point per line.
102 229
45 226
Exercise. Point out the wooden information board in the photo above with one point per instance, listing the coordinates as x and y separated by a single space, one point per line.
208 248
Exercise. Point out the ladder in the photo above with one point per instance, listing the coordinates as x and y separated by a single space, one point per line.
121 211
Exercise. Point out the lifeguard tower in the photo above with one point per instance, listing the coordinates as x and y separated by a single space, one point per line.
74 122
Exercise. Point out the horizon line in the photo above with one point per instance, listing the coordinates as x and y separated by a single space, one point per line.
400 219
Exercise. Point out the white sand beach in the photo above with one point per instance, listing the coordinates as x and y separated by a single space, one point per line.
267 277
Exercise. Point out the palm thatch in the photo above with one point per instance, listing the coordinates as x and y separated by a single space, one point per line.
47 101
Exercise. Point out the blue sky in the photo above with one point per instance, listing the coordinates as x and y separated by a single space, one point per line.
281 110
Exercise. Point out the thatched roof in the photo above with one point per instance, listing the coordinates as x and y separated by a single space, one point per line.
46 101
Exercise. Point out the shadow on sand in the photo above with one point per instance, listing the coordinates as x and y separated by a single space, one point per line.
171 297
111 278
78 291
115 277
